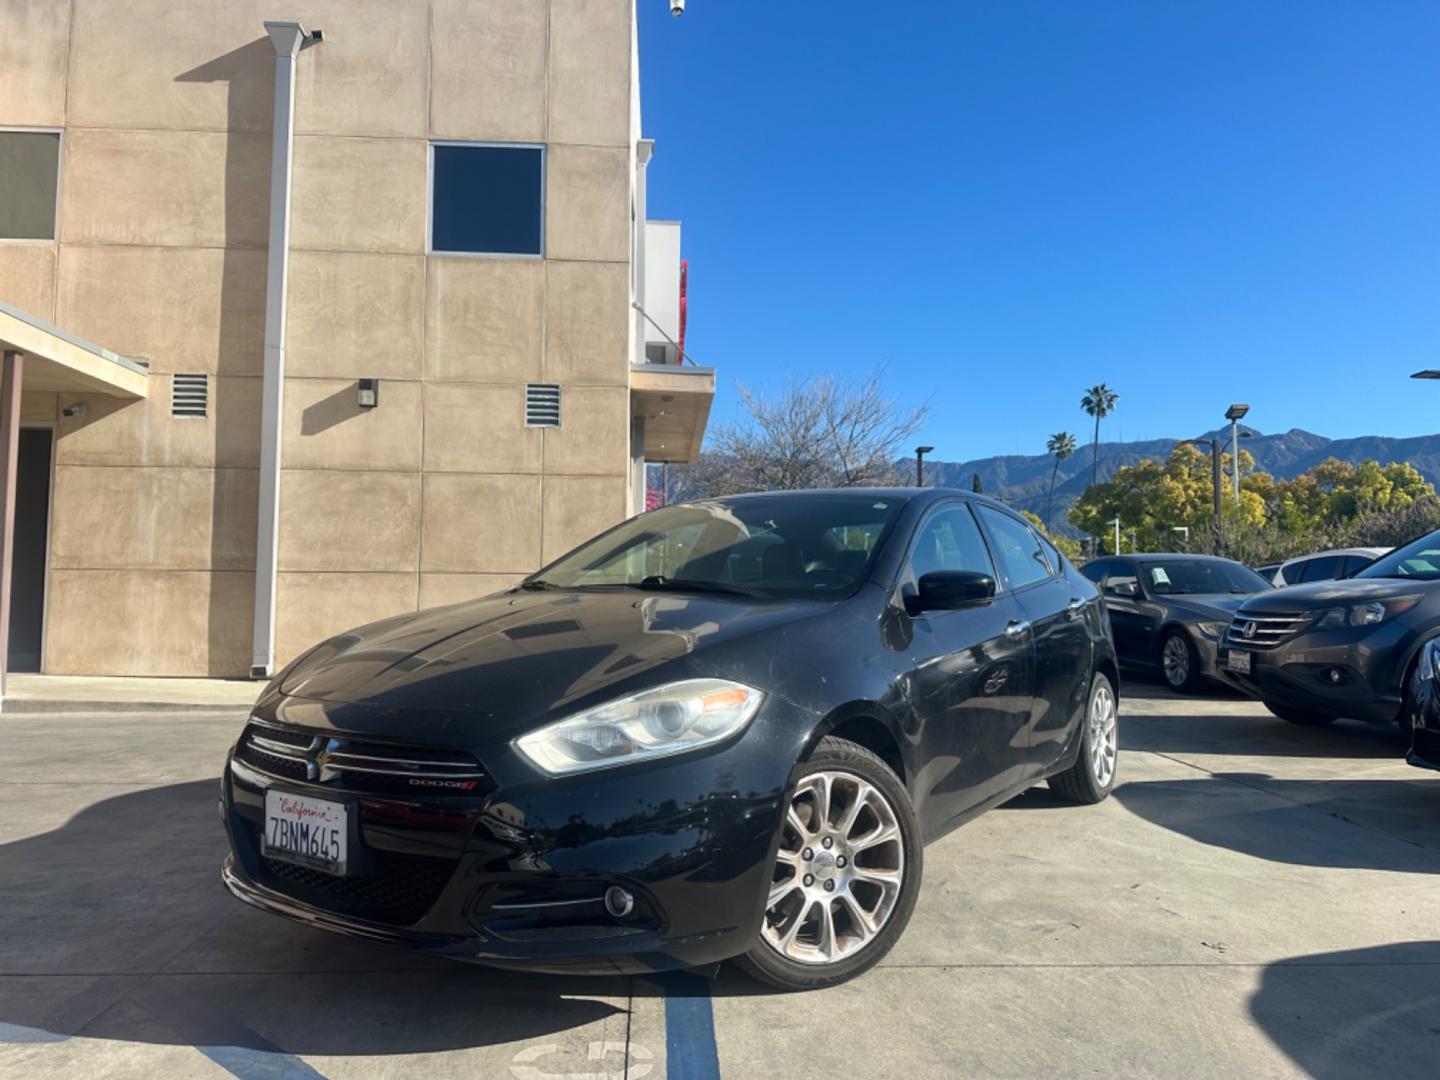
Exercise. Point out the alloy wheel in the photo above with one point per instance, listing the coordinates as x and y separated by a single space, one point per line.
1175 660
838 872
1103 733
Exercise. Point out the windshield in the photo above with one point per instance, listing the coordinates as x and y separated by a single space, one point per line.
790 546
1418 559
1180 577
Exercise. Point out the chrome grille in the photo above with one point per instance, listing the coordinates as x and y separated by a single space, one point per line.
321 757
1269 630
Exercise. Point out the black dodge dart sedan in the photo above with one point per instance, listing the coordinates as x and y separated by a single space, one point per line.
1169 612
1314 653
721 729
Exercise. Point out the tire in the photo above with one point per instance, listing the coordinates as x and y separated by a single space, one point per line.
1303 717
1180 663
1092 777
791 953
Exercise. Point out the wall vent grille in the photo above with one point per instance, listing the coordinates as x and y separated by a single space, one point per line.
189 395
542 405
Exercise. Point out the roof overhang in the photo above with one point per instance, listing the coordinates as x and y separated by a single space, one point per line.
59 362
674 401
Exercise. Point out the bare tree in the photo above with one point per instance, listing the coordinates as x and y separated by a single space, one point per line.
821 431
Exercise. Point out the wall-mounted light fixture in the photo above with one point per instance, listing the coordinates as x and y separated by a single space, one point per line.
368 394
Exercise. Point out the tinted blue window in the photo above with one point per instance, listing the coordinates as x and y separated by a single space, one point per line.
487 199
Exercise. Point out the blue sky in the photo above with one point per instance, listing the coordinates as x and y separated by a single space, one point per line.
1007 202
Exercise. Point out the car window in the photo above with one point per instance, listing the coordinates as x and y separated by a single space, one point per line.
950 540
1095 570
1295 573
1354 564
1180 577
1057 561
1016 547
1418 559
1325 568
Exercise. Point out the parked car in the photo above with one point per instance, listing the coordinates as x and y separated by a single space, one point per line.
1422 708
722 729
1316 652
1327 565
1168 612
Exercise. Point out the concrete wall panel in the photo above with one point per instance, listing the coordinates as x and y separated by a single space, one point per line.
165 188
580 507
354 521
325 428
477 428
27 278
153 519
114 431
590 72
358 194
126 299
32 57
484 524
148 622
587 212
485 319
366 77
313 607
587 327
356 315
487 77
594 432
38 407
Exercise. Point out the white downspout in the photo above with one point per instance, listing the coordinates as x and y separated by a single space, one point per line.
288 39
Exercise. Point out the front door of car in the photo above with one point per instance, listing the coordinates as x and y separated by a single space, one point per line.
1131 619
1055 609
971 684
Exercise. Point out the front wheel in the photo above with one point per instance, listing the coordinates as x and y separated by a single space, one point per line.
1180 663
1092 777
846 874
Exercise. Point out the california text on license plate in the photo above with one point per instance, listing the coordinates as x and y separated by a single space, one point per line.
1238 660
310 832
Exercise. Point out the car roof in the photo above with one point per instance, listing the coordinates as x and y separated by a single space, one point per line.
1372 552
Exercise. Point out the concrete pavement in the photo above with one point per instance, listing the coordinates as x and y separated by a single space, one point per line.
1257 899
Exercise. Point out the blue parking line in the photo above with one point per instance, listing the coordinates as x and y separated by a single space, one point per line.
690 1052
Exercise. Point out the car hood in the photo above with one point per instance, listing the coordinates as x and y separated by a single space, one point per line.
1207 605
523 655
1323 594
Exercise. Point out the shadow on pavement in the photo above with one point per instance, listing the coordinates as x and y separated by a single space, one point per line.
125 898
1358 1013
1241 812
1259 736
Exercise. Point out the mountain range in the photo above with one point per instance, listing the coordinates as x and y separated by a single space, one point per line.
1023 480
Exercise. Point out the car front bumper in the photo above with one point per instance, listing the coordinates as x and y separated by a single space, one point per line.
1349 671
516 876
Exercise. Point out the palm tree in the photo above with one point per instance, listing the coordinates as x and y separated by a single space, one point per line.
1099 401
1061 445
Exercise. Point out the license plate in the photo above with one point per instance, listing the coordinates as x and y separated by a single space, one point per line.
307 831
1238 660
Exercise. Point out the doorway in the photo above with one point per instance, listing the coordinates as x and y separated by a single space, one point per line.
32 539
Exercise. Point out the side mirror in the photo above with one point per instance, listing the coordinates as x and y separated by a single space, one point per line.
1123 588
948 590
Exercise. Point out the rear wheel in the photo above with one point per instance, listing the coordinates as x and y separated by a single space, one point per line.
1092 777
1303 717
1179 662
846 875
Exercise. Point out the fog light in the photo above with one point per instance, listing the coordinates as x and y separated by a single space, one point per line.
1335 675
618 902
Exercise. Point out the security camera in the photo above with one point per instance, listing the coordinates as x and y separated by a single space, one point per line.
677 7
78 409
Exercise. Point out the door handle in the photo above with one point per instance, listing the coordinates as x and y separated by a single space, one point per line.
1075 607
1016 628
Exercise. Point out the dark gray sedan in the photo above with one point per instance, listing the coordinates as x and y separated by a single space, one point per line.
1169 612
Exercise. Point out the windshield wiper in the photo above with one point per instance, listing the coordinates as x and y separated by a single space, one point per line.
537 585
662 583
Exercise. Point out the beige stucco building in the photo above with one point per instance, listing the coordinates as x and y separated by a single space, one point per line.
466 225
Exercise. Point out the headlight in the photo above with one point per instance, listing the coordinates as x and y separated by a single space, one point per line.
1211 629
1370 613
667 720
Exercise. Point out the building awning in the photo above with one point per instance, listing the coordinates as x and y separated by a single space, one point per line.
674 401
57 361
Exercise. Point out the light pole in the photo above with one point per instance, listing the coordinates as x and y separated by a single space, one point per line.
1184 530
1235 414
920 452
1116 522
1214 445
